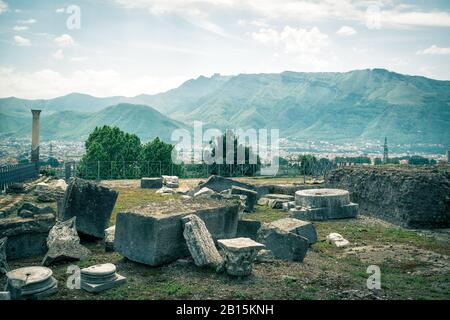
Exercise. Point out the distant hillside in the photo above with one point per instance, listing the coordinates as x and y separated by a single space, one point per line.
359 105
142 120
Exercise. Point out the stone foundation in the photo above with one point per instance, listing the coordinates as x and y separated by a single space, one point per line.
149 236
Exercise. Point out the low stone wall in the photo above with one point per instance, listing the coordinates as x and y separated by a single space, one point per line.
410 197
27 237
156 239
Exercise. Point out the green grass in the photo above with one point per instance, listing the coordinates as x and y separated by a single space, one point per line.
325 273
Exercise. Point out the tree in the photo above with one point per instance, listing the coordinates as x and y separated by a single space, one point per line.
245 166
158 154
53 162
110 152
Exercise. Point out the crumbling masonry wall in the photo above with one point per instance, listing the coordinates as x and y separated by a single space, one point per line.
410 197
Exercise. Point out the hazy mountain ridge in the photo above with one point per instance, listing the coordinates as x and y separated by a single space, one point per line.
356 105
142 120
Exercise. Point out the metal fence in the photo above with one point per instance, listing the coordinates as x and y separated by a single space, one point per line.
12 173
111 170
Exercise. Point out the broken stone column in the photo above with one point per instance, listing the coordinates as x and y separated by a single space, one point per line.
323 204
200 243
31 283
100 277
170 181
35 137
239 255
64 244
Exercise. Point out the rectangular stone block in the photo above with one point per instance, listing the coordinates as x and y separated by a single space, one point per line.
151 183
155 239
302 228
27 237
248 229
250 201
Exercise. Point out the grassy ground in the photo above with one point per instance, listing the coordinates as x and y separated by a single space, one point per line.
413 266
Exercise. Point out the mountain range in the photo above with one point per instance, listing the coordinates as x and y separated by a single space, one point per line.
360 105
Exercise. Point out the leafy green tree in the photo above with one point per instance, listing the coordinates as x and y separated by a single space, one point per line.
238 166
110 153
158 157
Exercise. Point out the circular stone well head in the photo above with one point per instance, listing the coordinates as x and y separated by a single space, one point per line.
322 198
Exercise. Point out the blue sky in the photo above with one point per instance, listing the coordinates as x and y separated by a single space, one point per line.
128 47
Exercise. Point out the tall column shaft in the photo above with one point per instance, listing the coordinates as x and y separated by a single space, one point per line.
35 136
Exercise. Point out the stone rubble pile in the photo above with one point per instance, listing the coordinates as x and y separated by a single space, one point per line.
64 243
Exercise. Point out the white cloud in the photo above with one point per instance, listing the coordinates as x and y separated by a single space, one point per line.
390 14
21 41
346 31
59 54
293 40
434 50
20 28
29 21
60 10
3 6
64 41
48 83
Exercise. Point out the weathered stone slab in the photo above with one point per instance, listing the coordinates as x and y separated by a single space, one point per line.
171 181
302 228
5 295
4 268
338 240
91 204
204 192
151 183
276 203
200 243
248 229
153 238
26 236
239 255
251 197
64 244
279 197
284 245
263 202
219 184
34 209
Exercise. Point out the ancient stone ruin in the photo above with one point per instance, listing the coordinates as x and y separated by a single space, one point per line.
323 204
153 234
31 283
100 277
410 197
91 203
